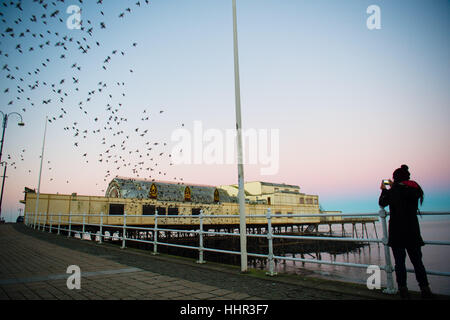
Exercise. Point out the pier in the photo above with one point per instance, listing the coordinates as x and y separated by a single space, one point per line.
193 236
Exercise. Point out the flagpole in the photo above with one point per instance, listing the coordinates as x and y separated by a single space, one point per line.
40 172
241 193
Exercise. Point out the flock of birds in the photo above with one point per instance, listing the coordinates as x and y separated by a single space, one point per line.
23 32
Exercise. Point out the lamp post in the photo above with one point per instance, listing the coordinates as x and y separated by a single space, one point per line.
241 194
4 163
5 123
40 170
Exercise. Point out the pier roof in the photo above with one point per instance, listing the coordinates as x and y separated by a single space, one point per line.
125 187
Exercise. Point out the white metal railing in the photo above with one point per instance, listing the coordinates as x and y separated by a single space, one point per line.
42 221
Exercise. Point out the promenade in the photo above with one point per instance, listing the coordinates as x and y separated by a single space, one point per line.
33 266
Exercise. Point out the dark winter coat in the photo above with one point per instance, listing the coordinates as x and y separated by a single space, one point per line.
402 199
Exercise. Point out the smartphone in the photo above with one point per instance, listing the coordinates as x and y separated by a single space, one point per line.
386 182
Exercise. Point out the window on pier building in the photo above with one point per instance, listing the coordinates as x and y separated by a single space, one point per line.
161 211
302 200
196 211
173 211
148 209
116 208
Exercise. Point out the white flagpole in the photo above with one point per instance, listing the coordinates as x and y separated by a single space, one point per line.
241 194
40 172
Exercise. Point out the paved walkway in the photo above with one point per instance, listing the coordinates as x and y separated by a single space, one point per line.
33 266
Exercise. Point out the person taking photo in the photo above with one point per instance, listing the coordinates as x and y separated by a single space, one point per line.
403 197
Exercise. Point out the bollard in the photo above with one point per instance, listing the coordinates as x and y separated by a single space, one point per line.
200 235
388 268
155 234
270 240
124 229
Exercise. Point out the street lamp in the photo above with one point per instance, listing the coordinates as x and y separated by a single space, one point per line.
5 164
241 194
5 123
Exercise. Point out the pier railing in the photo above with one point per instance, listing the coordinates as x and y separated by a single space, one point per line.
53 222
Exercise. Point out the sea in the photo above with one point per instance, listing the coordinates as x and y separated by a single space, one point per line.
435 257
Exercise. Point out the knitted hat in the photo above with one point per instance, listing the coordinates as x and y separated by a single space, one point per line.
401 174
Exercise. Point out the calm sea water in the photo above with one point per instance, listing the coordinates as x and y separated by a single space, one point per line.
435 257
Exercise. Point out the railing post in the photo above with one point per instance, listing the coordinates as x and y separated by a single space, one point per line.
270 240
39 225
387 256
50 227
200 235
35 219
70 225
59 223
155 234
82 233
124 231
101 227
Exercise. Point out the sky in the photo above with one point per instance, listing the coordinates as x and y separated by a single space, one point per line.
349 104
